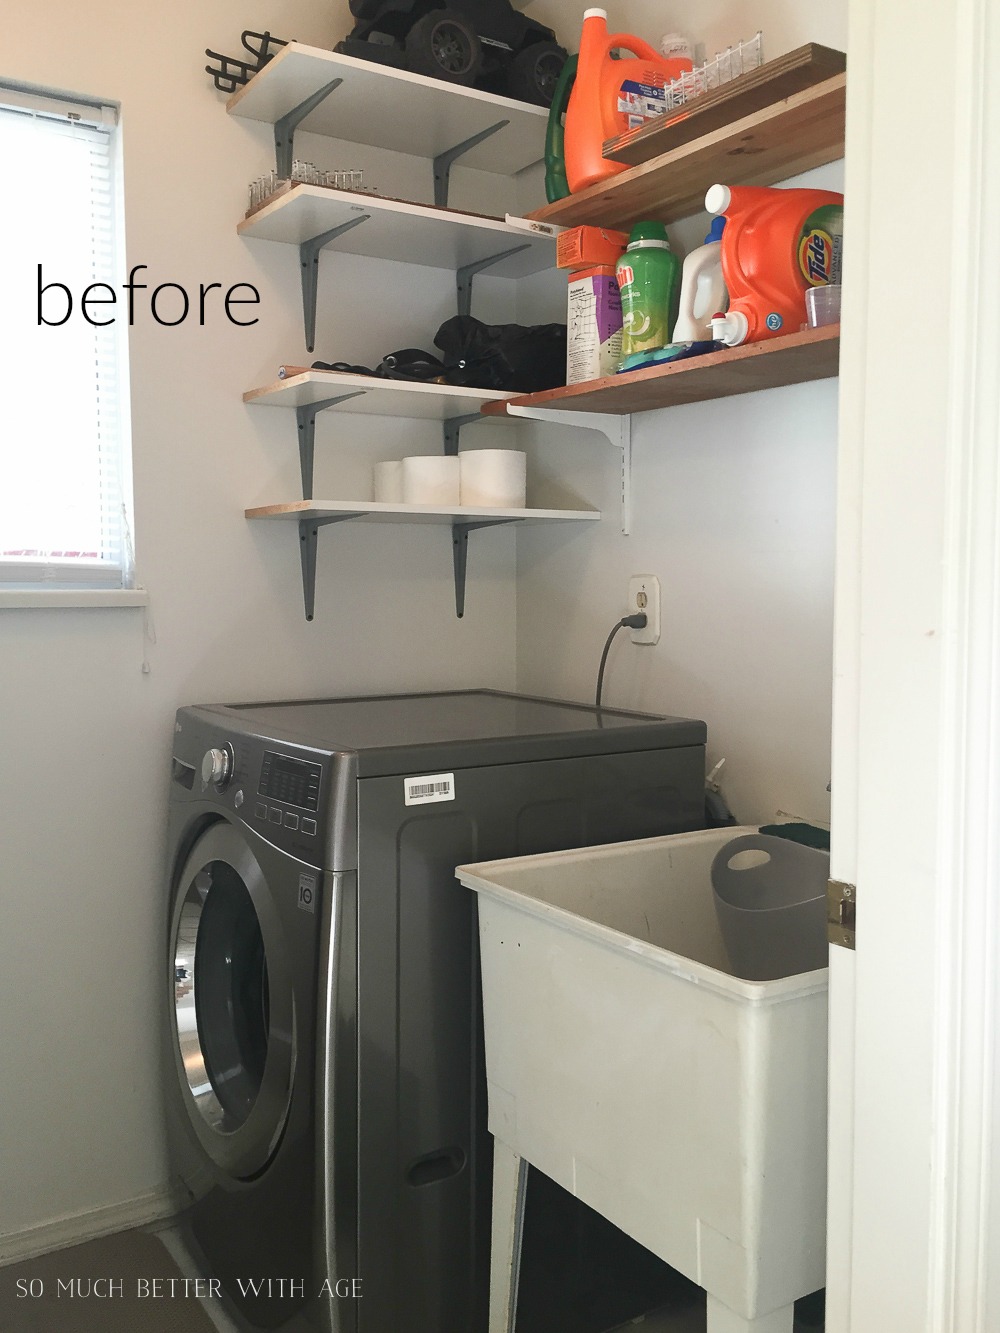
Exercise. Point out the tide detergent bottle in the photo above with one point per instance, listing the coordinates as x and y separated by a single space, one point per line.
776 243
611 96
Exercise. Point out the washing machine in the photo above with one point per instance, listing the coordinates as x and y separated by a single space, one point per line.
325 1080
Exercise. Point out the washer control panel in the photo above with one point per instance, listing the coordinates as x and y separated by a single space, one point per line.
282 791
284 782
292 781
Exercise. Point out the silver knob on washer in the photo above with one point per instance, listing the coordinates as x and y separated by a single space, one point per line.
216 767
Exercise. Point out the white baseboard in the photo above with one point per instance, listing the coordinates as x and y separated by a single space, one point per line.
64 1231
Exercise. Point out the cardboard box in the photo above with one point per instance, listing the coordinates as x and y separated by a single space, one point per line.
583 247
593 325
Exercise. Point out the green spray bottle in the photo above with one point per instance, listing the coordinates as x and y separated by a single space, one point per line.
649 278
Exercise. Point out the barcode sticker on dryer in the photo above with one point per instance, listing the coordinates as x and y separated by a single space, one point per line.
429 787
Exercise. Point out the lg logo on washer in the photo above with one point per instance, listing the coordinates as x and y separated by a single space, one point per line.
307 893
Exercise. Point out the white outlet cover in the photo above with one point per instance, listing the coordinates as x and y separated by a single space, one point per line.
645 588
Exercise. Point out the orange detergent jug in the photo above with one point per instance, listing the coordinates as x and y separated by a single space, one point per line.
776 243
611 96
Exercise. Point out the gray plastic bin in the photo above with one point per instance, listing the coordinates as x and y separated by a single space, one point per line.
770 898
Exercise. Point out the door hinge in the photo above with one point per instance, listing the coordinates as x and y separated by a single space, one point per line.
841 900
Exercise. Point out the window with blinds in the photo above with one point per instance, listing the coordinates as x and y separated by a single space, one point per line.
65 483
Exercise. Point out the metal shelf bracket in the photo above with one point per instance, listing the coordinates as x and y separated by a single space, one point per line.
464 276
308 541
308 529
309 252
452 426
443 161
286 125
460 553
616 429
305 417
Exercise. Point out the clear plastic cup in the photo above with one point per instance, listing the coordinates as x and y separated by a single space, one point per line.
823 305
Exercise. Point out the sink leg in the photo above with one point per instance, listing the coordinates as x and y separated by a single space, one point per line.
723 1320
510 1178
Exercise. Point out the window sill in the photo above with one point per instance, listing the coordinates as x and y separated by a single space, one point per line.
57 598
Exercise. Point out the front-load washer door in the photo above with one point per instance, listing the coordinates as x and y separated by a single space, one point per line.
233 1010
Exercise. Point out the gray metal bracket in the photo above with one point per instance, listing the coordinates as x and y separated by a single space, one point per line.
443 161
308 529
305 417
616 429
452 426
286 125
309 252
460 554
464 276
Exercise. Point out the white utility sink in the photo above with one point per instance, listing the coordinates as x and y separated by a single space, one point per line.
625 1061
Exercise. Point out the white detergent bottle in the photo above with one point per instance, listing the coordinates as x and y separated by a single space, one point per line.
703 292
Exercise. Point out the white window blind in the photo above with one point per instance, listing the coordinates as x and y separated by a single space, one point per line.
65 476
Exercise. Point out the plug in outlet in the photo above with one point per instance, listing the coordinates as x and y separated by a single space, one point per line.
644 595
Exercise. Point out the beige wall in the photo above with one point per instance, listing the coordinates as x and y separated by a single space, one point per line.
84 732
733 510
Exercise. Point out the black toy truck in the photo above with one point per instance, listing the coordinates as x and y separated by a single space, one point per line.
483 43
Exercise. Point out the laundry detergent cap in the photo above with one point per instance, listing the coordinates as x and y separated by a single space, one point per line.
718 199
595 13
715 230
648 231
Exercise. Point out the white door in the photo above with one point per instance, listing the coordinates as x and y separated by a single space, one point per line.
916 778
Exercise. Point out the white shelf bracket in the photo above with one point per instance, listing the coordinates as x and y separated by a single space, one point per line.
616 429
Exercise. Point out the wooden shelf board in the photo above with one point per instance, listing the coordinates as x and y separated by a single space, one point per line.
368 511
390 108
377 397
801 132
811 354
752 92
394 229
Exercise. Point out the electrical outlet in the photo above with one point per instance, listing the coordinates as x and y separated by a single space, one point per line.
644 595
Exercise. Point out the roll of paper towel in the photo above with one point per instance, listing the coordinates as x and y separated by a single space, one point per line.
431 479
493 478
389 482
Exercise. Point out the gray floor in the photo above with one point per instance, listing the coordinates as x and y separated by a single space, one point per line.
678 1320
172 1242
662 1321
667 1321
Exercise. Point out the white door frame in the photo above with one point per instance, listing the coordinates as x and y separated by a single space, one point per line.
916 766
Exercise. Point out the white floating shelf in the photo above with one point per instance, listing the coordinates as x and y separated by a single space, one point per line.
370 511
389 108
376 397
394 229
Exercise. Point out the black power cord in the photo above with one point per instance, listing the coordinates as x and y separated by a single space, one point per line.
626 622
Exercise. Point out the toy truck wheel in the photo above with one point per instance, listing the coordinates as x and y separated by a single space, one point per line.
443 45
534 72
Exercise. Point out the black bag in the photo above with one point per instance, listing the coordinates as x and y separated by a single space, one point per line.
518 357
409 363
513 357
